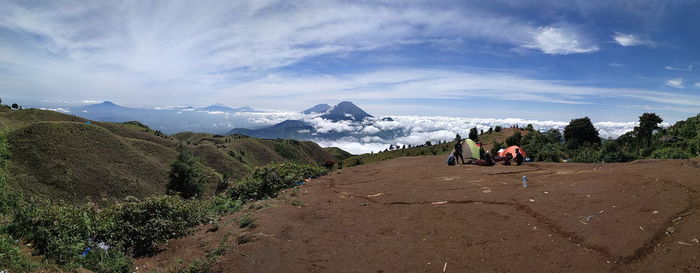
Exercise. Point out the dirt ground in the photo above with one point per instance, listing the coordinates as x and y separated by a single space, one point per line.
416 214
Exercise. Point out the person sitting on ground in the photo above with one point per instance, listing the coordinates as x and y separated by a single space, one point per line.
487 160
507 159
451 160
458 151
518 157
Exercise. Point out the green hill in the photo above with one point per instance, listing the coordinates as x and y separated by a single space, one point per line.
61 157
338 153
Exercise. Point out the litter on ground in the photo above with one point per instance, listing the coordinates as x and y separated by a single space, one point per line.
375 195
439 203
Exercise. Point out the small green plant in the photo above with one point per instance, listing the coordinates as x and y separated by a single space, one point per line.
246 221
297 203
244 239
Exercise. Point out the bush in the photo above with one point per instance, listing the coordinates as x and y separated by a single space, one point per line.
246 221
109 261
60 233
140 227
11 258
515 139
586 154
670 153
220 205
186 176
267 181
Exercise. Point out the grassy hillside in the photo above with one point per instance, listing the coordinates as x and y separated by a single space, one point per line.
338 153
61 157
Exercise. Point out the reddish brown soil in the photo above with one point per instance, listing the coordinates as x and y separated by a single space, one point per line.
381 218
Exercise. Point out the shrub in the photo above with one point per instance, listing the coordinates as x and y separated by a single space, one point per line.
246 221
140 227
222 205
267 181
60 233
186 176
586 155
11 258
670 153
498 129
109 261
515 139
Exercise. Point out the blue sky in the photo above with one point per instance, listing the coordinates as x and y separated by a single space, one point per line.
546 60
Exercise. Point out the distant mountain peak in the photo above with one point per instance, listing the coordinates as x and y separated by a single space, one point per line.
346 111
318 108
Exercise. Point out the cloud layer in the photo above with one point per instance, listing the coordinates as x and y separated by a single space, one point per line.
415 130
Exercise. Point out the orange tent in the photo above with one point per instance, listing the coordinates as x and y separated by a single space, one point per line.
511 150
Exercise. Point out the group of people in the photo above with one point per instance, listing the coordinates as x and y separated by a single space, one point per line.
486 158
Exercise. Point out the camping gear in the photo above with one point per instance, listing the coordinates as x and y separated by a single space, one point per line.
524 181
471 150
511 150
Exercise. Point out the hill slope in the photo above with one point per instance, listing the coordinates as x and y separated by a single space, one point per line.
60 156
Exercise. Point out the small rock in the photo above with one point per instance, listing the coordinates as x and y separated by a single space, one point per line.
684 243
546 192
670 230
655 212
531 200
695 240
588 195
641 227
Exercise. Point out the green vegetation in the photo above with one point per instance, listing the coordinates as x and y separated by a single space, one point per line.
186 176
266 182
246 221
580 132
51 163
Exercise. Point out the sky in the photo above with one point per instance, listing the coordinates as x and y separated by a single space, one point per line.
541 60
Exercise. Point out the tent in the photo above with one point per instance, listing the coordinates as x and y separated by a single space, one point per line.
511 150
470 150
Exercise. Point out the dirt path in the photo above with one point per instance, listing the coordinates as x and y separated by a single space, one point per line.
418 215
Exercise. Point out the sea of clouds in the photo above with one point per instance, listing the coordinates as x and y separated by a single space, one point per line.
413 130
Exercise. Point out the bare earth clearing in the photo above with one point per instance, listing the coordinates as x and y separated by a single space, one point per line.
382 217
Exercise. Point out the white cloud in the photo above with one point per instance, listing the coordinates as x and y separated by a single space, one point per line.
616 65
677 83
458 83
631 40
697 84
689 68
560 41
416 130
59 109
167 51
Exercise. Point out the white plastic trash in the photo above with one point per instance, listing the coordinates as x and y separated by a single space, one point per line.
524 181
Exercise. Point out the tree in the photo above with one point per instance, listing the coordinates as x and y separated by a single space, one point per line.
648 123
553 136
458 137
515 139
186 176
498 129
15 106
428 143
490 130
530 128
579 132
474 134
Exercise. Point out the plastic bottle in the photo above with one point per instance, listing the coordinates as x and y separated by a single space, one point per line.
524 181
